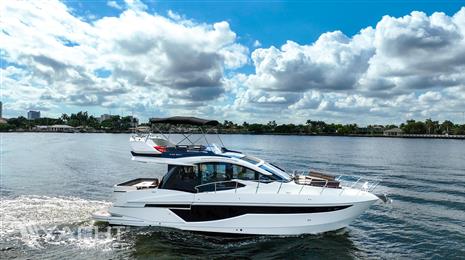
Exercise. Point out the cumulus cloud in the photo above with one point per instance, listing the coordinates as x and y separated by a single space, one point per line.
371 73
75 62
114 4
333 62
416 52
399 55
410 66
136 5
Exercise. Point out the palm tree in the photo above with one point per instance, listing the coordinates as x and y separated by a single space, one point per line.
64 117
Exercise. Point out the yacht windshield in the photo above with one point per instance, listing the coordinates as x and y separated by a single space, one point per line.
275 171
250 159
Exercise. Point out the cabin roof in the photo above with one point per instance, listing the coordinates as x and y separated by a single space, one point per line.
184 120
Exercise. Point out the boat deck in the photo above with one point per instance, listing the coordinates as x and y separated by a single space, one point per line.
141 183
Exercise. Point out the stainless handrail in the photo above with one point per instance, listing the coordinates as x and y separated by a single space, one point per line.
215 183
345 181
280 185
323 188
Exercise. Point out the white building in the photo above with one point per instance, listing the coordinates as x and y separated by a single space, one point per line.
31 115
104 117
54 128
393 132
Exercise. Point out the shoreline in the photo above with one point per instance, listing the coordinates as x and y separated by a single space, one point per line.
408 136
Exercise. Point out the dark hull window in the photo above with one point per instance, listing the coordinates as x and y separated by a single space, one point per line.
198 213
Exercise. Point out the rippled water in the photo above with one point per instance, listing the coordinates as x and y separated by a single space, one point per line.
51 183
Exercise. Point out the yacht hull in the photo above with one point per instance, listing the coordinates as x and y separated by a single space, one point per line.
251 224
252 214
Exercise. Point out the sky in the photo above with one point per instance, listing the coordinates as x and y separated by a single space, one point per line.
368 62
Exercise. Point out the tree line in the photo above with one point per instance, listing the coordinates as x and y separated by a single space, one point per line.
311 127
80 119
322 128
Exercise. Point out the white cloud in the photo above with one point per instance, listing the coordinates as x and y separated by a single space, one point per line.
177 62
412 66
114 4
333 62
136 5
272 99
174 15
430 96
416 56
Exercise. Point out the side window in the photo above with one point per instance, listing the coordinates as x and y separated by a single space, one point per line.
243 173
217 172
214 172
181 178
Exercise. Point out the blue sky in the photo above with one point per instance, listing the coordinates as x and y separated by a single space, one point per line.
256 38
275 22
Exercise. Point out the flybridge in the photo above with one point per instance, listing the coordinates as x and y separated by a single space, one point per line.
192 149
183 120
194 137
195 142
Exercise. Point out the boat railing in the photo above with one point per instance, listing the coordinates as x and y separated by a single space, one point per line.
219 186
229 185
345 181
362 183
368 184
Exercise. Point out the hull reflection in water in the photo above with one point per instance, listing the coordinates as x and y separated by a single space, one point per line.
183 244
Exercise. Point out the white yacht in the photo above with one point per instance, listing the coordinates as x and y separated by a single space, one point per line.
209 188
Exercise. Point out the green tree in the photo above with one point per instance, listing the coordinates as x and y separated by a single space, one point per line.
432 127
446 127
19 122
414 127
6 127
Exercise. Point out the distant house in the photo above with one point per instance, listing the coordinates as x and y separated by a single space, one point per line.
54 128
3 121
40 128
377 129
362 130
143 128
393 132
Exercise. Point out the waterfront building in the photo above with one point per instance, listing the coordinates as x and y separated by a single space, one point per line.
142 128
104 117
54 128
377 129
134 120
393 132
31 115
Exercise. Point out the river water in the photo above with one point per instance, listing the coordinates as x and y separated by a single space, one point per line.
51 183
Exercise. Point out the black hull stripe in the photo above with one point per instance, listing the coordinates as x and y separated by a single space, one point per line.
216 212
178 206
